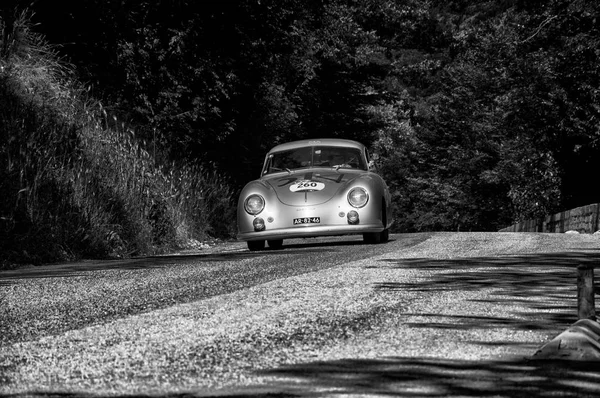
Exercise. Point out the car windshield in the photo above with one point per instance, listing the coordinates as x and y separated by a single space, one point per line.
316 156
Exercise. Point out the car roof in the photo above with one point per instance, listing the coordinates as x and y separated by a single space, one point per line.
317 141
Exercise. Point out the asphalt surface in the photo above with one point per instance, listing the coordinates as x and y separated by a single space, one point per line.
306 255
441 315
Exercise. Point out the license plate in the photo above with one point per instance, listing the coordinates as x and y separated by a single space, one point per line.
307 220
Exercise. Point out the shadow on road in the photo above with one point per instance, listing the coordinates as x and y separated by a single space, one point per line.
411 377
544 283
227 253
9 277
408 377
422 377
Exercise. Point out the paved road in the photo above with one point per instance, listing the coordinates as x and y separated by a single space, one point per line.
441 315
91 292
298 255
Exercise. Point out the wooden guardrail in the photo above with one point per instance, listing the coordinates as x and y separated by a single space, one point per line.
583 219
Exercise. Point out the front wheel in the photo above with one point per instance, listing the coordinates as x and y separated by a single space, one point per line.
385 235
372 237
255 245
379 237
275 244
376 237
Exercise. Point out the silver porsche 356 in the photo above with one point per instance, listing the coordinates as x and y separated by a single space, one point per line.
314 188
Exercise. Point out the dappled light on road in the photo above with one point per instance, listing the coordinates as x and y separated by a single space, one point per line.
423 316
544 283
526 293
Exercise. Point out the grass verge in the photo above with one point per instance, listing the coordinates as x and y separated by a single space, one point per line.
76 182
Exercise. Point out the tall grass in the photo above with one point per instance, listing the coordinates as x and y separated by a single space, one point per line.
74 181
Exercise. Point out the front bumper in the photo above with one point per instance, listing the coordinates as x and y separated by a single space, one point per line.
310 231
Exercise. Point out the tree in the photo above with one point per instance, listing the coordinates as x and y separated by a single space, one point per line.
485 112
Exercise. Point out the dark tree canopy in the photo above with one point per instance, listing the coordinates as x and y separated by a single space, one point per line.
479 113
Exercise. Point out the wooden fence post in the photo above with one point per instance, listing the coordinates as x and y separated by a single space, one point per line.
585 292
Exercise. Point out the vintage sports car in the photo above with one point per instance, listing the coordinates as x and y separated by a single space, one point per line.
314 188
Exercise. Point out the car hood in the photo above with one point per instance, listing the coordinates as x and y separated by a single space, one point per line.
311 187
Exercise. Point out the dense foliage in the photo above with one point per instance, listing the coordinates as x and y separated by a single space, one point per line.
74 181
479 113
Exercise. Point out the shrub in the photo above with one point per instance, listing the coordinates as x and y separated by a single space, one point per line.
75 182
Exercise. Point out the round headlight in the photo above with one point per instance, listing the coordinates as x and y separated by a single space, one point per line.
358 197
254 204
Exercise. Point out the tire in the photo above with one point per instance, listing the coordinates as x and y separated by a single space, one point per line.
256 245
379 237
385 235
275 244
372 238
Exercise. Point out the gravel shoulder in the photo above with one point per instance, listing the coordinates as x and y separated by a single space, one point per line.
456 296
